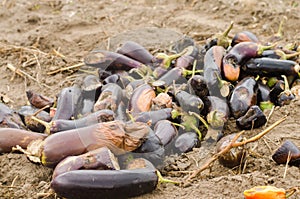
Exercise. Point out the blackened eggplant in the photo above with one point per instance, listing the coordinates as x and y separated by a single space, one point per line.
243 97
243 37
110 97
93 184
67 102
235 156
198 86
271 67
135 51
288 148
286 96
253 118
111 61
186 142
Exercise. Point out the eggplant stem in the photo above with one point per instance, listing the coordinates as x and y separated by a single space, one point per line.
291 191
40 110
292 55
194 68
200 118
186 72
161 179
280 31
130 115
257 78
47 125
195 128
226 32
262 48
179 125
286 83
167 59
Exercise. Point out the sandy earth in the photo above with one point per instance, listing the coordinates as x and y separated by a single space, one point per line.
41 36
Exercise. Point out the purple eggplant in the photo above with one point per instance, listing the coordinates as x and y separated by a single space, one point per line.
110 61
135 51
186 142
197 85
38 100
9 118
287 152
152 117
165 131
244 36
243 97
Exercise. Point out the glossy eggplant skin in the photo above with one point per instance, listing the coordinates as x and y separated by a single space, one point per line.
103 115
174 74
268 67
110 61
253 118
67 102
94 184
243 97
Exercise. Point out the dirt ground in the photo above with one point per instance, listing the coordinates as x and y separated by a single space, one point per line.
42 36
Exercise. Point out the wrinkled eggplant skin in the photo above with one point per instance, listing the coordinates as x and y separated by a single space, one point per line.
105 184
243 97
186 142
67 102
197 85
253 118
280 156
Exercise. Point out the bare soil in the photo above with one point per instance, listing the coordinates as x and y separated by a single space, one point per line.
41 36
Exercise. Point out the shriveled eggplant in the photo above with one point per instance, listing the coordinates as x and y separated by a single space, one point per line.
165 131
287 150
253 118
9 118
38 100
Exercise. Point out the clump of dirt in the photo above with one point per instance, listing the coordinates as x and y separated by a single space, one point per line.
38 37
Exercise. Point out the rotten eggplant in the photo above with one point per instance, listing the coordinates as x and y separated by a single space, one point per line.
253 118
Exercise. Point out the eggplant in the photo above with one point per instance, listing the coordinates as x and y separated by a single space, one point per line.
152 117
219 39
238 56
110 61
38 100
165 131
197 85
135 51
288 148
161 101
279 54
141 99
253 118
101 158
243 97
26 113
110 97
286 96
263 96
118 136
176 75
243 37
189 102
103 115
212 71
106 183
10 137
67 102
186 142
235 156
268 67
217 111
9 118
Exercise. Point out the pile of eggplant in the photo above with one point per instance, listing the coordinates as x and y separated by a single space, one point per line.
107 135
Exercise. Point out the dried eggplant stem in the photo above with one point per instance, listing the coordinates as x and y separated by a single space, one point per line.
232 144
66 68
